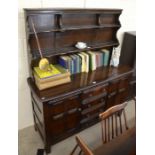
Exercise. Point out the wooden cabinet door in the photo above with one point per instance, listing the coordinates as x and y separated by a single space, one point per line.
118 91
61 116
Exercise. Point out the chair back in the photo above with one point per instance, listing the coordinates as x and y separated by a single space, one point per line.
111 122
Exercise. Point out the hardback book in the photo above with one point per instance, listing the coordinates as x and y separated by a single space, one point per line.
64 73
86 61
97 59
46 74
92 57
74 64
63 61
77 63
82 62
66 62
42 86
106 56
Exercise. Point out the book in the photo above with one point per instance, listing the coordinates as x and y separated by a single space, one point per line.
97 59
77 63
106 56
74 64
86 61
64 73
45 74
42 86
82 62
92 60
67 62
63 61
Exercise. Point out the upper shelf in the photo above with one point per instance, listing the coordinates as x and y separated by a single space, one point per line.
49 53
46 30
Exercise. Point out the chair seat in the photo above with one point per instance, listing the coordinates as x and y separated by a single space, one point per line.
124 144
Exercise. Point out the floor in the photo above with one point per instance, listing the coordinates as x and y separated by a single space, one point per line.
30 141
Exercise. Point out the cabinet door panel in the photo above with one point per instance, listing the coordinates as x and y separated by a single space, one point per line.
57 126
72 120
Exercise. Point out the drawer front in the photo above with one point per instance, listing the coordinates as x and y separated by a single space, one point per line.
113 86
94 91
62 106
111 100
72 102
122 96
93 103
57 108
124 83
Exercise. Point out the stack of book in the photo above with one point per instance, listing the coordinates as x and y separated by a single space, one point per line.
56 76
85 61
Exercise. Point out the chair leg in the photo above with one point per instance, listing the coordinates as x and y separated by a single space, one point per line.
74 149
80 152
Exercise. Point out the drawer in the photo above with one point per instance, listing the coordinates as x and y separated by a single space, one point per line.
100 105
111 101
94 91
122 96
113 86
72 102
124 83
55 108
91 104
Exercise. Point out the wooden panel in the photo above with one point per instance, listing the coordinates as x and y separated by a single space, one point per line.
109 19
69 20
70 38
42 22
103 35
72 120
57 125
46 42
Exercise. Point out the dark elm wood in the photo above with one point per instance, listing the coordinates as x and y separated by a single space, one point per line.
64 110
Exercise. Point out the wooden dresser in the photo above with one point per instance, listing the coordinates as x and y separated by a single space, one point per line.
64 110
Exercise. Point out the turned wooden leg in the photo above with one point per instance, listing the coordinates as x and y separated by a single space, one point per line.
47 148
35 128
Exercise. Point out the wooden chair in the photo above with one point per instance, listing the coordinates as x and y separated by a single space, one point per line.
113 113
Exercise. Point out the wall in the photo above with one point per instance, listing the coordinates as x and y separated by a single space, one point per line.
127 19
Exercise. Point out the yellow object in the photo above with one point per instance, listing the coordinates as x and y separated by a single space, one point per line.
44 64
64 74
45 74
